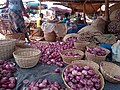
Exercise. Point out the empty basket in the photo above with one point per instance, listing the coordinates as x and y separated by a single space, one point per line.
27 58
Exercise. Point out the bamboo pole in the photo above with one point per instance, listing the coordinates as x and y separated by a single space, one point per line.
84 11
107 10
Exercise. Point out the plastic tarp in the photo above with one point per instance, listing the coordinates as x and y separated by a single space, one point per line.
44 71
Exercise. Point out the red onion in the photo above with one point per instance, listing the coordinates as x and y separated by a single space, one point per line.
117 77
7 81
51 50
44 85
97 51
57 70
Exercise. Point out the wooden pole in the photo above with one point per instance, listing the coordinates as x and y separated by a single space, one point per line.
107 10
84 11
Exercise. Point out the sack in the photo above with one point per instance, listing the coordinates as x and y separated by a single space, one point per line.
116 51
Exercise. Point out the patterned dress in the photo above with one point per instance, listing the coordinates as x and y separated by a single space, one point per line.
15 17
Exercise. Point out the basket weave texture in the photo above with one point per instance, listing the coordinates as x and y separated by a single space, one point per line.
51 36
69 35
96 58
27 58
7 47
69 59
88 62
83 64
109 70
81 45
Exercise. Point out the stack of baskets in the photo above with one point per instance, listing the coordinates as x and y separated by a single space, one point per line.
27 58
7 47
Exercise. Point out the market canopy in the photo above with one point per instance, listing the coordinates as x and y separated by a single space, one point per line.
60 8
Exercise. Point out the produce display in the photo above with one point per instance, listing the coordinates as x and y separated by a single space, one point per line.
72 54
7 80
82 78
97 51
51 50
44 85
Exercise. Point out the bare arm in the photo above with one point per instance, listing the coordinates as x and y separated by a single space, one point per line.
6 5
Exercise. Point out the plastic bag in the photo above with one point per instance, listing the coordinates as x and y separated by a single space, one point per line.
116 51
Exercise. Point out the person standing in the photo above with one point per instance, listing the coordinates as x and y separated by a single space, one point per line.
16 21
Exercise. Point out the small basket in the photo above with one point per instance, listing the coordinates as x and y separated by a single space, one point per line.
27 58
96 58
7 47
88 62
81 45
51 36
69 35
109 70
69 59
83 64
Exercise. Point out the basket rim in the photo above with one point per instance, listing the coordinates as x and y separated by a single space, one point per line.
9 42
101 68
82 64
61 53
19 50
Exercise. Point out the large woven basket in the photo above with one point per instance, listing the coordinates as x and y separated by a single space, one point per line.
94 57
7 47
51 36
109 70
18 36
83 64
81 45
69 59
27 58
88 62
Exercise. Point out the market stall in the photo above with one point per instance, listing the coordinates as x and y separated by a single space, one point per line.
86 60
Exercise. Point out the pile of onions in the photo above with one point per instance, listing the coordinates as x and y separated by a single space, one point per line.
44 85
72 54
97 51
7 80
51 50
81 78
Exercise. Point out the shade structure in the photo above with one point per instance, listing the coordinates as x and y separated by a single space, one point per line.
60 8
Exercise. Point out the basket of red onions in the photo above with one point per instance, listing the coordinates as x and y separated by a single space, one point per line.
82 77
96 54
110 71
70 36
27 57
70 55
81 45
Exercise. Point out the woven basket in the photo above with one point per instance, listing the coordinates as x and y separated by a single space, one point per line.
88 62
69 35
109 70
81 45
114 7
19 36
96 58
7 47
27 58
69 59
51 36
96 71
